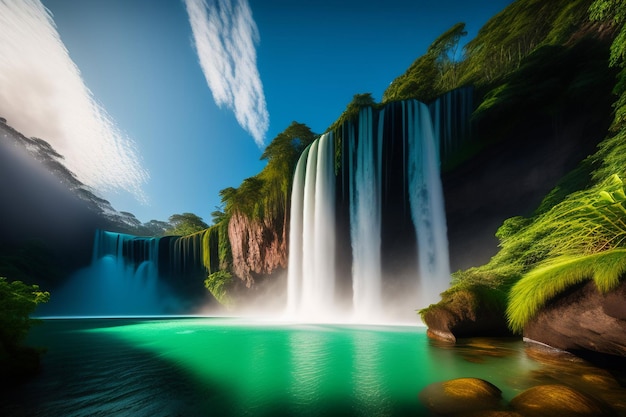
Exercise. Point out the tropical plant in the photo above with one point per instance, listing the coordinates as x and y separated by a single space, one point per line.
550 279
586 241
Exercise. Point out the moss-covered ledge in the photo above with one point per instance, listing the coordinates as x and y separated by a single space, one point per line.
467 311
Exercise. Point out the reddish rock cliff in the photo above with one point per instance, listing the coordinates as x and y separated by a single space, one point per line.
259 247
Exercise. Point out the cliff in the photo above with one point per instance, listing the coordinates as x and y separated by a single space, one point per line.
259 247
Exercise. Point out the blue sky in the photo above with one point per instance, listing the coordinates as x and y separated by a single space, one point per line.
139 61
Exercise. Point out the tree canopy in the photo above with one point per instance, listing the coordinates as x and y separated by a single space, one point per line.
185 224
433 73
268 192
17 302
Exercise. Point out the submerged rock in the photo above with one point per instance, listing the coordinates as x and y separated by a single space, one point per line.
558 400
461 395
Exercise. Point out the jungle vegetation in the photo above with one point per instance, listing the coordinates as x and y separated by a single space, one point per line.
263 198
578 233
17 302
535 56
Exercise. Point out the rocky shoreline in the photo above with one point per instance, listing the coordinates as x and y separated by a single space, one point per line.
581 320
564 385
580 333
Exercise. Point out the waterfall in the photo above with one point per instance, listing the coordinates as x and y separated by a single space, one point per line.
427 205
134 276
294 274
311 278
365 217
388 175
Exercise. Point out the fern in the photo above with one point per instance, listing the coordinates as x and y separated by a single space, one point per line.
543 283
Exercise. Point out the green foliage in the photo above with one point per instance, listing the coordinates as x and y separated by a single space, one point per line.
17 302
267 194
351 113
553 81
587 228
510 227
589 221
264 197
614 12
553 277
581 237
506 39
445 49
185 224
218 284
432 74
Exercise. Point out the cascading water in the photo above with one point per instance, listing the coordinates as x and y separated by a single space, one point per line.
131 275
389 177
427 205
312 232
365 214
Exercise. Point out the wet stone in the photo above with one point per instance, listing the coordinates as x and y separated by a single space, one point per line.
462 395
558 400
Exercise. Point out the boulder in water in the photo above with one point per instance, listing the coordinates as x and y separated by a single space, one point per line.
558 400
460 396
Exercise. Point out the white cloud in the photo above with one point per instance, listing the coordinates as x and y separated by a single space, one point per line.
225 36
42 94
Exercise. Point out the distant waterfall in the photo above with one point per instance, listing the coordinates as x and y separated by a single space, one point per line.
388 175
132 275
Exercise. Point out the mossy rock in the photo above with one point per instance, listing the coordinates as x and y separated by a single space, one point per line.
558 400
462 395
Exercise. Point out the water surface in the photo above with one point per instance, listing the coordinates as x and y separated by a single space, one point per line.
236 367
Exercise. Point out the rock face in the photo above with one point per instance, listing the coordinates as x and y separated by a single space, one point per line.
258 248
464 314
583 319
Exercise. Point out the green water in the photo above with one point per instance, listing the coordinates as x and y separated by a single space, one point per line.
235 367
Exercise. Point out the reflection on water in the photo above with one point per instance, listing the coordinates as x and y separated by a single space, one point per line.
308 366
229 367
369 390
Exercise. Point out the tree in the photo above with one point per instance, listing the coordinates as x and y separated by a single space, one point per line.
185 224
353 108
17 302
433 73
444 50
